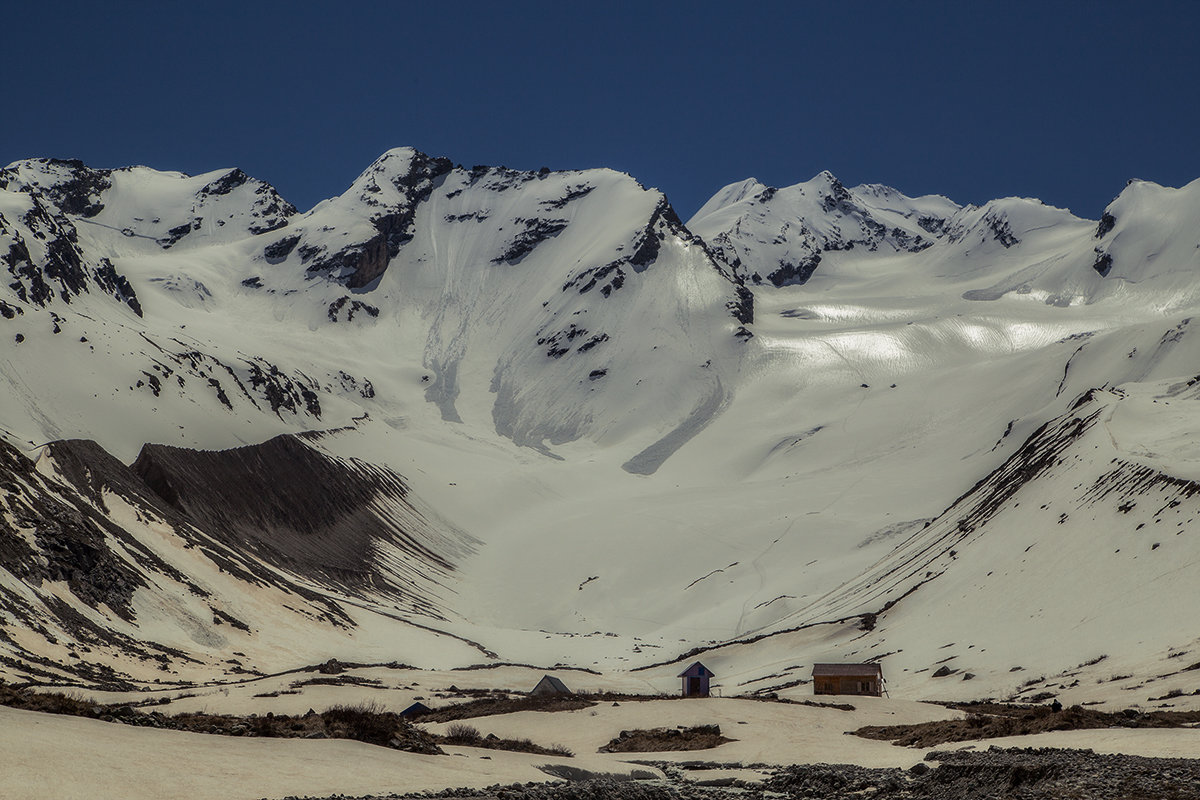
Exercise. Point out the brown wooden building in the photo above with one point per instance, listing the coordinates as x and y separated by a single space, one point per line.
848 679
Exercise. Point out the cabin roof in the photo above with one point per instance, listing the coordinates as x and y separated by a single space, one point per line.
874 670
697 670
553 684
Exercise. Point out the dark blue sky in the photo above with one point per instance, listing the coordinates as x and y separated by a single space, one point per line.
1059 100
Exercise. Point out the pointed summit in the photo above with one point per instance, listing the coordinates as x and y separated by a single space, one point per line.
780 236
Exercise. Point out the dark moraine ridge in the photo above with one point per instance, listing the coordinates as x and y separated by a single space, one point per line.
303 510
995 774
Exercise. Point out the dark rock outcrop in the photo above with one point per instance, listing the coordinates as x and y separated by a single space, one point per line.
299 509
44 259
72 536
80 192
359 264
534 232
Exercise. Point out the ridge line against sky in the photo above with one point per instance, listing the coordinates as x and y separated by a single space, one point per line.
1060 101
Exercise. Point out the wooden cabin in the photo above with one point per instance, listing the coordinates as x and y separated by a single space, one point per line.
549 685
695 680
862 679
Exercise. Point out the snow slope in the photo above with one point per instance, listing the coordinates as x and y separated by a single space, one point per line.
620 438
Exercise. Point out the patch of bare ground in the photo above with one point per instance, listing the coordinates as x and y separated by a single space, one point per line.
993 720
364 722
571 786
491 702
49 702
658 740
368 722
468 736
774 698
340 680
995 774
493 705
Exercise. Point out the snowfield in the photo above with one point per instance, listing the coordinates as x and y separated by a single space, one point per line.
476 416
108 760
204 767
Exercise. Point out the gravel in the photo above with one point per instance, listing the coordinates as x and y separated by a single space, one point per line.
1011 774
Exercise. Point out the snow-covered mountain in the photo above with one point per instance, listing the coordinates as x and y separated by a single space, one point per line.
780 236
461 415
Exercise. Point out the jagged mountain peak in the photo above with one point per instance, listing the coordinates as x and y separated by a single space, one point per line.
1146 232
780 236
733 193
138 209
1139 195
503 280
69 184
393 178
41 248
1007 222
783 236
353 237
879 190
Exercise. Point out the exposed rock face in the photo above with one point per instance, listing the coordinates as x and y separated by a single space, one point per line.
644 248
390 190
1002 231
140 203
56 534
68 539
41 251
40 243
535 231
351 308
662 222
301 510
73 187
789 273
279 516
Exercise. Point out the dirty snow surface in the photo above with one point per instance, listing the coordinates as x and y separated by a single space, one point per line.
473 417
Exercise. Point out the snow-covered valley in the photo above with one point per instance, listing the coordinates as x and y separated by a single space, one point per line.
536 418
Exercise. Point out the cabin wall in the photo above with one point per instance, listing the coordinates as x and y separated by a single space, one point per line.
868 685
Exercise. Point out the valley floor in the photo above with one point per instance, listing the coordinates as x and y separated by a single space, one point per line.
45 755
